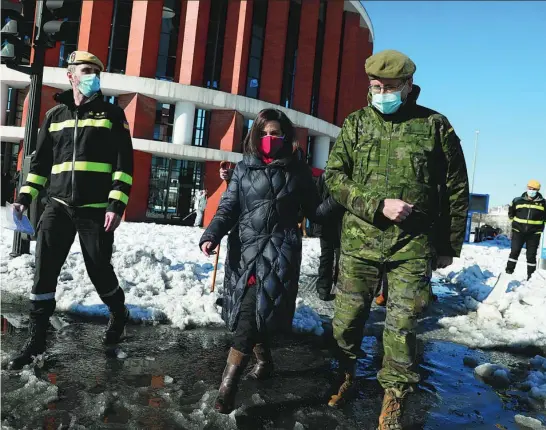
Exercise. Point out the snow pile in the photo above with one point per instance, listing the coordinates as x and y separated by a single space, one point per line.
164 275
493 374
517 320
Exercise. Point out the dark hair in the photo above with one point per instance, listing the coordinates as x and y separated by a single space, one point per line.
252 139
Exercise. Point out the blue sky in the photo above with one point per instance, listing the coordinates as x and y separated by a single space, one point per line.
483 65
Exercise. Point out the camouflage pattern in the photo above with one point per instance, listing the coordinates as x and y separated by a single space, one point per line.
390 64
409 283
416 157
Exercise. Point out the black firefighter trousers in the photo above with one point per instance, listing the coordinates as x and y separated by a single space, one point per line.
56 233
532 240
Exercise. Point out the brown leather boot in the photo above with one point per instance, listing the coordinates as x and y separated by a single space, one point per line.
263 368
346 389
236 363
391 411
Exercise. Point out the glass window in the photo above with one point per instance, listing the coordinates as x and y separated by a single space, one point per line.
291 54
71 43
215 43
168 41
119 36
319 52
201 128
256 48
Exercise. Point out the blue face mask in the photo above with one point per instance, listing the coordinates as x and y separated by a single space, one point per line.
387 103
89 85
532 193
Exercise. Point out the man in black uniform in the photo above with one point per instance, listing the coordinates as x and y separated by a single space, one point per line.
84 147
528 215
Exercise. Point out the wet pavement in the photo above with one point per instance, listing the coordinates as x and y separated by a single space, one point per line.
163 378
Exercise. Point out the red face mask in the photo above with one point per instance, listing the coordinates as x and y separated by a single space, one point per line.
270 145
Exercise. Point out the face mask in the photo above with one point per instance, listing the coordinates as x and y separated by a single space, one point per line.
387 103
532 193
89 85
270 145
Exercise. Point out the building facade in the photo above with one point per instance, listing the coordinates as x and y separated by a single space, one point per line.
192 75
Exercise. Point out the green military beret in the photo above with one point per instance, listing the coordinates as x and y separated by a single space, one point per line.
390 64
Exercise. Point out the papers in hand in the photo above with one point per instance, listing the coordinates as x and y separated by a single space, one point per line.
12 222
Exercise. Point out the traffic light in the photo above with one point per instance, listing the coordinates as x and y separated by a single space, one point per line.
17 31
55 15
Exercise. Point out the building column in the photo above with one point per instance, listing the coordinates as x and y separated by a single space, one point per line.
143 48
305 62
194 47
140 112
330 61
184 116
273 52
4 89
225 133
362 81
321 151
95 27
348 75
236 47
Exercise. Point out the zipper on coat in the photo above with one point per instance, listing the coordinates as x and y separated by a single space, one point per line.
74 157
390 124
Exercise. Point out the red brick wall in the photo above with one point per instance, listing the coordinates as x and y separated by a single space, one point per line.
95 23
180 44
226 133
236 47
144 38
194 46
273 53
330 62
349 66
305 62
140 113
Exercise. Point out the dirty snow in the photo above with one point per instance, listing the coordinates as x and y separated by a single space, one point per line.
164 275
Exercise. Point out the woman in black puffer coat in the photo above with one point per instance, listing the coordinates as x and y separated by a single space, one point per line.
264 196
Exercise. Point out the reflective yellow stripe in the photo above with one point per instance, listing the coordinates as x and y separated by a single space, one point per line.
123 177
528 221
450 130
118 195
36 179
29 190
527 206
95 205
58 126
88 166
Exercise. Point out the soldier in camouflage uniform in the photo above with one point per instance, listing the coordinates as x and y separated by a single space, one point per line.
399 170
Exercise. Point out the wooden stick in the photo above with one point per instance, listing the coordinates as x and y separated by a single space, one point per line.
215 269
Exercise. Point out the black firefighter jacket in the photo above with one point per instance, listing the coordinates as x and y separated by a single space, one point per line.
528 215
86 153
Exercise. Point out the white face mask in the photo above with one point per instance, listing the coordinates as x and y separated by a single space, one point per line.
532 193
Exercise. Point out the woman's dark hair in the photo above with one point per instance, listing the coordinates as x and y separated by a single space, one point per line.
252 139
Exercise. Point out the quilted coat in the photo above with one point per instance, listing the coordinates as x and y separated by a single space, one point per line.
261 204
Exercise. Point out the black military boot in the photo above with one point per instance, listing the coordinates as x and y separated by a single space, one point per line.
34 346
116 326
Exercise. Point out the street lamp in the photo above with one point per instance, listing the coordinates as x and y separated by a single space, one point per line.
474 164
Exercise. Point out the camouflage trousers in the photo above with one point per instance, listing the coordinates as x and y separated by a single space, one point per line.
409 294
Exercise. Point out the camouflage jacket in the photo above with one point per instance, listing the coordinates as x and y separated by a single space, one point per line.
413 155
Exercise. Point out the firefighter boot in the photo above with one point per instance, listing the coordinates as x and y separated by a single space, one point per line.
35 344
391 411
236 363
116 326
346 388
263 368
